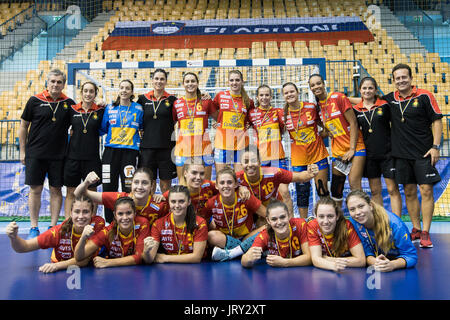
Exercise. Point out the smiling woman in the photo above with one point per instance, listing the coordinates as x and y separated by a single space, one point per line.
58 237
121 122
333 241
232 228
285 241
148 205
385 238
181 234
192 113
123 238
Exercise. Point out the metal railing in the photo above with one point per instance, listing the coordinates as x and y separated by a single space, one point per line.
13 39
416 20
9 140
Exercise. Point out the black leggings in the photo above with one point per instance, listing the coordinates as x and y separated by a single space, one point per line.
117 163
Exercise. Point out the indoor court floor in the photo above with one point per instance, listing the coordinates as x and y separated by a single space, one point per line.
429 280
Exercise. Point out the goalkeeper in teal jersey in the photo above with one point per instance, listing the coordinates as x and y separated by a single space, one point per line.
121 123
385 238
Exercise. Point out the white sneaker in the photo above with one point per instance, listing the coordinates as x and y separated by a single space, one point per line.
219 254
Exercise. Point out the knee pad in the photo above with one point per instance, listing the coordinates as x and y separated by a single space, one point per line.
303 190
321 190
337 187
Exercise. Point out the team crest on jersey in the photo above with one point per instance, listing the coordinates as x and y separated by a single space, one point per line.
167 103
379 111
235 118
65 105
95 116
415 103
191 125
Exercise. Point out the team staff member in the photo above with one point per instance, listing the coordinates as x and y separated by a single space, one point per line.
284 240
333 241
347 144
123 238
148 205
373 116
416 136
62 238
157 139
264 182
232 224
232 122
84 144
43 140
121 122
385 237
301 120
182 234
191 113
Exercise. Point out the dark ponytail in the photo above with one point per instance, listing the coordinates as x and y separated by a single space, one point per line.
286 105
199 93
274 203
117 102
191 221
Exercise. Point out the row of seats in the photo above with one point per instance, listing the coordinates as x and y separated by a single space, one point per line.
8 11
190 10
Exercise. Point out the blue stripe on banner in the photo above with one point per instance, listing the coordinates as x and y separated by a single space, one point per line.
244 63
277 62
146 64
211 63
114 65
178 64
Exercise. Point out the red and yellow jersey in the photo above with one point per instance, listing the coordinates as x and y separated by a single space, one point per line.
235 220
285 248
269 180
177 240
231 133
192 117
317 238
151 211
119 245
307 146
64 244
332 112
199 198
268 124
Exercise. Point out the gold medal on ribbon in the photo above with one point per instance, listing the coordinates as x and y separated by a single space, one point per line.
122 134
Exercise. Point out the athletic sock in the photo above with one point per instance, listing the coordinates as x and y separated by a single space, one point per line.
235 252
247 243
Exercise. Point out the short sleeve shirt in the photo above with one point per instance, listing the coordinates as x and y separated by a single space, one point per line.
412 138
47 139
